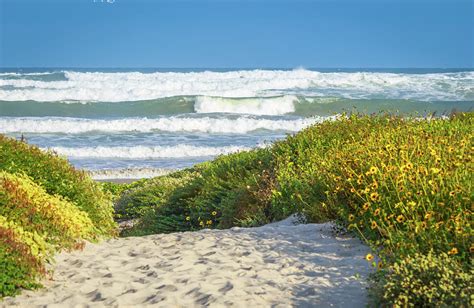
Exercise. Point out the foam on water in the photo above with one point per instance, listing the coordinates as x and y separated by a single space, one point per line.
133 86
137 152
262 106
128 173
239 125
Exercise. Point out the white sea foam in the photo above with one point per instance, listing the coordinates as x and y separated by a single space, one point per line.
128 173
258 105
137 152
133 86
239 125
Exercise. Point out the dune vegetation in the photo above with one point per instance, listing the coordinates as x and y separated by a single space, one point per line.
404 186
45 206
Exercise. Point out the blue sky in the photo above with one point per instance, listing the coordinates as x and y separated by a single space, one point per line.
232 33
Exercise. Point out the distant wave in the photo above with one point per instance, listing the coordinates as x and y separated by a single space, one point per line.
239 125
137 152
276 105
135 86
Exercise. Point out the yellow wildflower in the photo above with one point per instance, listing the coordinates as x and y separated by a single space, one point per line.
375 185
214 213
374 225
369 257
400 218
351 217
188 218
374 196
365 207
453 251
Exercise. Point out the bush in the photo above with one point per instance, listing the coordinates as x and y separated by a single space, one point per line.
57 221
23 256
231 190
404 185
426 281
58 177
139 197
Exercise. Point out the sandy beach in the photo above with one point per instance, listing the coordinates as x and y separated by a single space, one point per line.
277 265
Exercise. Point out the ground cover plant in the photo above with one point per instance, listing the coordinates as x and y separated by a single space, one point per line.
45 206
58 177
403 185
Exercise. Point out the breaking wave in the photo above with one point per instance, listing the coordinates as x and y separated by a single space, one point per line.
136 152
134 86
239 125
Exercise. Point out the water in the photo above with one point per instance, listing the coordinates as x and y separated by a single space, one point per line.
127 121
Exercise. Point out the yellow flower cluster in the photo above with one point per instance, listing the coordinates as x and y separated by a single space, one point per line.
405 184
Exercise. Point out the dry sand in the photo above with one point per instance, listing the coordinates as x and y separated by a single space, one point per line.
277 265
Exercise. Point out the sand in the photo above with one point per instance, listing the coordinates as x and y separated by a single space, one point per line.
277 265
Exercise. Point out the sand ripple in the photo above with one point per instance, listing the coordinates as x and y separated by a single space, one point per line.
277 265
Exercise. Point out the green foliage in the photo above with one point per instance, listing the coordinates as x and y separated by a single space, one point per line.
425 281
58 177
139 197
56 220
23 256
34 224
404 186
231 190
45 206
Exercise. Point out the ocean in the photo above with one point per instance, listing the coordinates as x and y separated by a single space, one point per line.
133 123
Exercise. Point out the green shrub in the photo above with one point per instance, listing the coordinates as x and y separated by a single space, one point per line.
231 190
23 256
426 281
58 177
404 185
57 221
139 197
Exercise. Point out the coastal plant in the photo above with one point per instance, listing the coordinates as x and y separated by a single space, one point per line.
57 221
139 197
23 256
403 185
431 280
231 190
58 177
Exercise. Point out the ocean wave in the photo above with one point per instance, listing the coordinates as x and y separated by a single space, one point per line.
257 105
178 105
239 125
134 86
138 152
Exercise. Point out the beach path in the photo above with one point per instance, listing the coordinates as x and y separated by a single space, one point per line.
276 265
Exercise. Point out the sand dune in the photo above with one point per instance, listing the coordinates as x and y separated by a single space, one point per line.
277 265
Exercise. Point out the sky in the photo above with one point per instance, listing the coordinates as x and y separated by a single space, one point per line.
237 34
